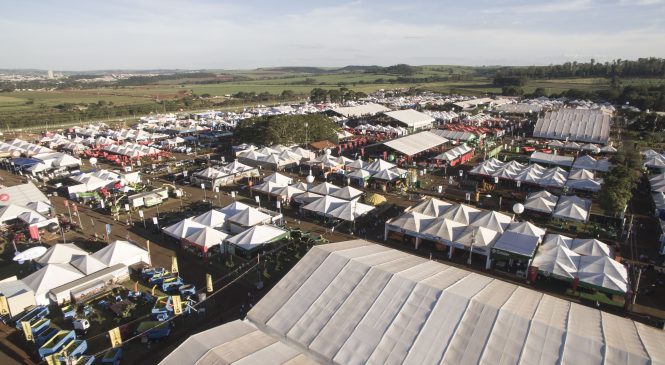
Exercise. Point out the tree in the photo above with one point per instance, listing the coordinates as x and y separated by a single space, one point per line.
286 129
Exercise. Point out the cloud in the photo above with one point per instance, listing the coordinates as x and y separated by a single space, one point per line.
548 7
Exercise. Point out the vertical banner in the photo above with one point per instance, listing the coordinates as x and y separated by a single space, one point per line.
177 304
209 283
34 232
116 338
4 306
174 264
27 330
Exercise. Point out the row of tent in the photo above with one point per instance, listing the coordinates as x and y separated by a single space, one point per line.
565 207
275 156
237 224
587 260
466 227
20 147
590 147
654 160
400 131
555 177
133 150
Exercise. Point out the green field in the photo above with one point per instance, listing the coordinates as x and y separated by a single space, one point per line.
42 103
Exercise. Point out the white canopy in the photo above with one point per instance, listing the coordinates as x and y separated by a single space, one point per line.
122 252
49 277
572 208
87 264
60 253
183 228
558 261
249 217
347 193
602 271
542 201
278 179
207 237
432 207
256 236
212 218
325 188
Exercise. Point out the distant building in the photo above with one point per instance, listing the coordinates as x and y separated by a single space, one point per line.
50 74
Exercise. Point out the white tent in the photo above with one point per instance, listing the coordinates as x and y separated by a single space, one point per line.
603 272
477 239
590 247
586 185
307 198
461 213
234 208
542 201
443 229
379 165
212 218
122 252
558 261
257 236
279 179
60 253
387 175
517 243
49 277
432 207
249 217
527 228
347 193
207 237
288 192
572 208
40 207
87 264
358 303
552 241
350 211
183 228
325 188
411 222
580 174
492 220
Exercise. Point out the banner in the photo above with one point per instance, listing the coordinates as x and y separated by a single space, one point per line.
174 264
34 232
4 306
115 337
74 208
177 305
66 203
108 229
209 283
27 330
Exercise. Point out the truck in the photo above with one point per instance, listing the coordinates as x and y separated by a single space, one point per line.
112 356
46 335
36 312
81 326
73 348
154 330
56 342
172 285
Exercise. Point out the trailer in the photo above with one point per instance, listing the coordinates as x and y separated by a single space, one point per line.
187 290
83 360
163 309
45 335
69 311
40 325
158 279
112 356
172 284
152 271
154 330
73 348
36 312
54 345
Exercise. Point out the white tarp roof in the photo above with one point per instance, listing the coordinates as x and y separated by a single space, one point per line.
584 125
23 194
207 237
249 217
542 201
183 228
360 110
122 252
572 208
51 276
518 243
60 253
358 303
558 261
411 118
87 264
212 218
256 236
416 143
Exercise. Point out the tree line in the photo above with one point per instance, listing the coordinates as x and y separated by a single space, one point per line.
642 67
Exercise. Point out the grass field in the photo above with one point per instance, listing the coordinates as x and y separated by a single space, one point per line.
274 81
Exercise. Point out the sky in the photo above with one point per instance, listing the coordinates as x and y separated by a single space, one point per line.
208 34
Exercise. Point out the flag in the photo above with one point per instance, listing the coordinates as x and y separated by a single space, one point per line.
136 286
209 283
27 330
116 338
174 264
177 305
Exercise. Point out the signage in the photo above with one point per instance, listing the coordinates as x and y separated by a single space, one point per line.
4 306
177 305
27 330
174 264
209 283
115 337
